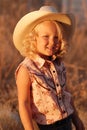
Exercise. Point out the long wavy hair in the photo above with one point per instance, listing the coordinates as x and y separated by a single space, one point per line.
29 46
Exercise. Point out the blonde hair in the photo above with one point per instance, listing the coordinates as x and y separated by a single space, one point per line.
29 48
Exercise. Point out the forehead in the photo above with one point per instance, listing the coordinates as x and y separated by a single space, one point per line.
47 26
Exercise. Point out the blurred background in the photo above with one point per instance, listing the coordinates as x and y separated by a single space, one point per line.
76 60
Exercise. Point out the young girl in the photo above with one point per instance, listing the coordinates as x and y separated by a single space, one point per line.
42 37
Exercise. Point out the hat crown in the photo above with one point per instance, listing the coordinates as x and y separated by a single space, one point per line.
48 9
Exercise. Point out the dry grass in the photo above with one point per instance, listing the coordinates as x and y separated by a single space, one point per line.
9 120
10 58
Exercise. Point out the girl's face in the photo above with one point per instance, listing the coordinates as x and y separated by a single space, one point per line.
47 42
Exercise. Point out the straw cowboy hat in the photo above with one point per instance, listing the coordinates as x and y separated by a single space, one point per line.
30 20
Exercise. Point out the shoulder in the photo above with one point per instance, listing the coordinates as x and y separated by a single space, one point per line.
23 71
22 67
22 74
23 83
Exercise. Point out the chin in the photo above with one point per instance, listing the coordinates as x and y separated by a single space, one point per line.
49 54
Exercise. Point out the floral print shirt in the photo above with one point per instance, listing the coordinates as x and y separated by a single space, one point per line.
50 101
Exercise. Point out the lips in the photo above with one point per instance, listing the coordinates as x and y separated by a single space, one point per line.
51 49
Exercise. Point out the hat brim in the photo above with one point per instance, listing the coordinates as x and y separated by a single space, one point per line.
30 20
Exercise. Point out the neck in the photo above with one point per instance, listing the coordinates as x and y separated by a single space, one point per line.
45 57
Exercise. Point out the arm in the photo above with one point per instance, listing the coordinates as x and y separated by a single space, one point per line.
23 87
76 119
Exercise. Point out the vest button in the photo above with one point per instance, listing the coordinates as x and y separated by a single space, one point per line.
53 71
64 111
57 84
60 98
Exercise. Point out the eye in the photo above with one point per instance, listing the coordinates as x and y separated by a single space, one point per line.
45 37
56 39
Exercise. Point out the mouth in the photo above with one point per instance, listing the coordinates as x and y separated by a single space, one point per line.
50 49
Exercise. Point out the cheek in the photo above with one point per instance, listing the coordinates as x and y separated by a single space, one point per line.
39 46
40 43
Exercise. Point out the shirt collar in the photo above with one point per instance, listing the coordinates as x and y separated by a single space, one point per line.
39 61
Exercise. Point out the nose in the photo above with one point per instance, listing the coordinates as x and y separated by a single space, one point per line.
51 41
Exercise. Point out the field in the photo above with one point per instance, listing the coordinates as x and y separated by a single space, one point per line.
76 62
